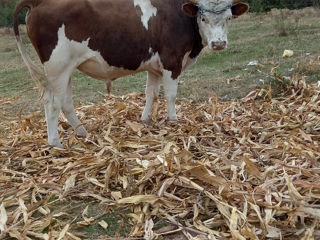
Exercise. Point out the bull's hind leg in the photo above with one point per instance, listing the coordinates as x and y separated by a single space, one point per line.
58 96
152 91
54 97
70 114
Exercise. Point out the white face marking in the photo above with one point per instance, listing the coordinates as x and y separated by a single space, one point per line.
213 27
147 11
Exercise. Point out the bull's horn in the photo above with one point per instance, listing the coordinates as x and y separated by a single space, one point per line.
194 1
235 1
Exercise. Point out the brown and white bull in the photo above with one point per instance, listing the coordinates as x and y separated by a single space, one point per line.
108 39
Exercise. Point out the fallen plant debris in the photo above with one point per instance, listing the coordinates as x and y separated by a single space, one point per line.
246 169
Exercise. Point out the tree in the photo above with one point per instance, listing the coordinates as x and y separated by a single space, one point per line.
316 3
6 13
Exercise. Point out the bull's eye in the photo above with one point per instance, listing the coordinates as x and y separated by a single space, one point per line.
203 19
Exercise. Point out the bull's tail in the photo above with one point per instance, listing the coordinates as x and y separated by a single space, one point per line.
34 71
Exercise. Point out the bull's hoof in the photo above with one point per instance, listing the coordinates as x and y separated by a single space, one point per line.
145 118
147 122
173 119
81 132
56 144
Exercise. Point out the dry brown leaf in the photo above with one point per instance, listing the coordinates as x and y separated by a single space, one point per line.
252 168
63 232
87 221
94 181
73 236
24 210
16 234
3 218
116 195
294 192
136 127
103 224
203 174
234 225
148 232
139 199
70 183
167 183
274 232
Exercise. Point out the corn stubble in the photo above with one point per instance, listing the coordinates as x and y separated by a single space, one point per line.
247 169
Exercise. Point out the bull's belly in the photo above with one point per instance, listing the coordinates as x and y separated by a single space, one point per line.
69 54
93 67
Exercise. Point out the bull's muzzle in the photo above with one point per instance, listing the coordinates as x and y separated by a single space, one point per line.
219 45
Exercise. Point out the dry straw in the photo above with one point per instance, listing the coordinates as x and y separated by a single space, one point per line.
247 169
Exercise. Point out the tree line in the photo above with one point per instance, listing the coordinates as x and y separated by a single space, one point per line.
7 7
6 13
267 5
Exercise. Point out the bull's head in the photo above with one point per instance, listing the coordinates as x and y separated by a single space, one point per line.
213 17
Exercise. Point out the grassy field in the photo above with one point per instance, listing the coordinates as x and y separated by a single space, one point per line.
261 38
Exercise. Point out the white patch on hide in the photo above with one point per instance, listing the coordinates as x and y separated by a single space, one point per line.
153 64
147 11
67 53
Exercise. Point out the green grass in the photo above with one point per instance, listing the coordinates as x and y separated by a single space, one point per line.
11 82
74 208
250 38
83 84
94 230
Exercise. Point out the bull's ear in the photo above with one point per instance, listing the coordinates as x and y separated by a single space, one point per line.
239 8
190 9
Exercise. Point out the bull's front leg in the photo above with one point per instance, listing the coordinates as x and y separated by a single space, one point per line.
152 92
170 86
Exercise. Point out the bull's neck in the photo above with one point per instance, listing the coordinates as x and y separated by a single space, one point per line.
197 46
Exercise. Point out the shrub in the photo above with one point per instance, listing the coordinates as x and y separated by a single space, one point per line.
285 24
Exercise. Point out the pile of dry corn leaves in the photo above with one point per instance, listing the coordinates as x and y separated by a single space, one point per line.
247 169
